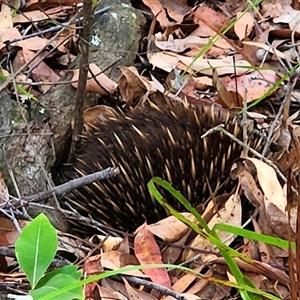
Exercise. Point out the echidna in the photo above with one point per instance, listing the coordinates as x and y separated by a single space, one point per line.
153 140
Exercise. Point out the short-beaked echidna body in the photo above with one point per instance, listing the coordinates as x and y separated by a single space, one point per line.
153 140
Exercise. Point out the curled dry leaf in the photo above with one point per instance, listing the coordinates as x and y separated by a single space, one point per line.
134 87
293 216
102 85
182 284
8 35
109 294
173 252
166 61
224 95
249 186
244 25
209 20
109 243
119 291
34 44
115 259
92 265
231 214
253 85
6 21
269 183
131 292
290 160
258 267
284 138
171 229
41 71
266 48
44 5
278 221
159 12
264 249
180 45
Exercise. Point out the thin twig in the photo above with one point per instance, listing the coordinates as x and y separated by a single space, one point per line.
64 188
85 37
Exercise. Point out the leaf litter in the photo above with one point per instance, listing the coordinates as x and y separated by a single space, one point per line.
242 64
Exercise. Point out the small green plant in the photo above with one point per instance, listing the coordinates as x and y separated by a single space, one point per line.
37 246
35 250
246 287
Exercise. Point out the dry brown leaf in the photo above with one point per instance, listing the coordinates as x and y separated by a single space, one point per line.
147 252
34 44
159 12
132 86
91 266
185 281
264 249
8 232
251 86
167 61
290 160
6 21
249 186
171 254
223 93
269 183
131 291
278 221
41 72
107 294
176 9
114 286
216 19
244 25
115 259
37 15
107 86
267 48
109 243
258 267
231 214
8 35
203 287
180 45
171 229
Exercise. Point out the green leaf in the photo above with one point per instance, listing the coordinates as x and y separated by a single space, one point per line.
36 248
255 236
70 270
59 281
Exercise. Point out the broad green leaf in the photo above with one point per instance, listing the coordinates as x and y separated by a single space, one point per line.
56 283
36 248
70 270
